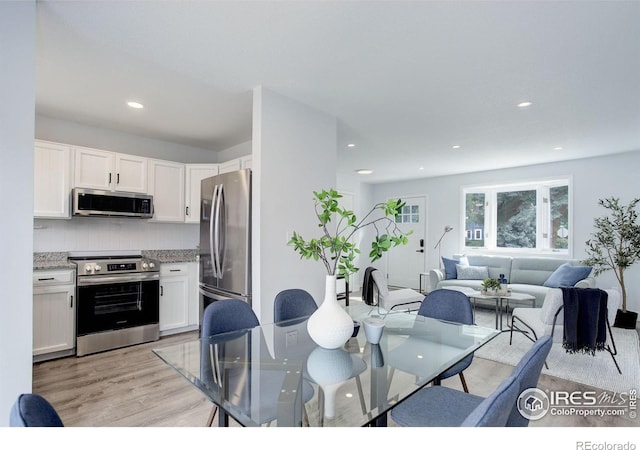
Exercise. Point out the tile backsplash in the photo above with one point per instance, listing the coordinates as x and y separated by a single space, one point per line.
99 233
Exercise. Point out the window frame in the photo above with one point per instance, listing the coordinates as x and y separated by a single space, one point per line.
543 216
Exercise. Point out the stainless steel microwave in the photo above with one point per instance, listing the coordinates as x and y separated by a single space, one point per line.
90 202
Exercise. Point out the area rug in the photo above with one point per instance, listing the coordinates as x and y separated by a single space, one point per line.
598 371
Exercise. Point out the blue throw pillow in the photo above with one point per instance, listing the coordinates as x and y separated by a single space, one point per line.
567 275
450 272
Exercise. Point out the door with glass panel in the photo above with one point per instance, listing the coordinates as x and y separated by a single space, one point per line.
406 262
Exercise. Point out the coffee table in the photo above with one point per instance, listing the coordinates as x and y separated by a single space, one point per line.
498 298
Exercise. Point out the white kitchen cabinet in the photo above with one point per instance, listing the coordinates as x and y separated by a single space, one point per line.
52 180
53 314
245 162
166 184
193 269
195 173
175 298
109 171
230 166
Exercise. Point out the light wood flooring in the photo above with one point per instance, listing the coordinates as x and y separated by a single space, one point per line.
132 387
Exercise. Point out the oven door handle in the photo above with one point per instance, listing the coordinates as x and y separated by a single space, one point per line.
129 278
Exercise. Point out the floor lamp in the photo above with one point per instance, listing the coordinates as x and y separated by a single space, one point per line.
447 228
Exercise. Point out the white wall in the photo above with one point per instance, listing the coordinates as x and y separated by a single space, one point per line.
17 91
294 153
242 149
98 234
593 178
65 132
362 204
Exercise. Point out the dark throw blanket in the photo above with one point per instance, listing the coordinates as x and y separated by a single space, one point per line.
367 286
585 319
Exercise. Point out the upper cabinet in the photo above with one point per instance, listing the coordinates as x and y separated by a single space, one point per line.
52 180
100 169
195 173
243 162
230 166
166 184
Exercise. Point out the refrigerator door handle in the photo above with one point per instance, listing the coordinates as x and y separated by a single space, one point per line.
222 231
211 230
216 237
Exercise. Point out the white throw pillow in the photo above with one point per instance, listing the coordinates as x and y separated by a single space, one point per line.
472 272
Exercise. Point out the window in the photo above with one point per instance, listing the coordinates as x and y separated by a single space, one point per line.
529 217
409 214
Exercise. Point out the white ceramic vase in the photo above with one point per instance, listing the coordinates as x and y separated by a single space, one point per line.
330 326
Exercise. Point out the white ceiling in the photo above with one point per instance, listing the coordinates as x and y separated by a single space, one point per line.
406 80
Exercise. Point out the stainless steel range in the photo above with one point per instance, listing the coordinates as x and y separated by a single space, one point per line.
117 302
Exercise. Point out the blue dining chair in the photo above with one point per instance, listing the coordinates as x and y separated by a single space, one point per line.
494 410
452 306
33 410
224 316
228 316
293 304
440 406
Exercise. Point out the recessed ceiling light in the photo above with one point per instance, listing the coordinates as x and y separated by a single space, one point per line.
524 104
558 148
364 171
135 105
455 147
421 168
351 145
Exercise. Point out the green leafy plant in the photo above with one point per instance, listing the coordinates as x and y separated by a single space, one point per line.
334 248
615 243
490 283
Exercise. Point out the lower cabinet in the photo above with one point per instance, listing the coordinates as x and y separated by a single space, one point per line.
53 314
177 287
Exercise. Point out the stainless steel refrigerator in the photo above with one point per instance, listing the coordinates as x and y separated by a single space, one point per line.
225 237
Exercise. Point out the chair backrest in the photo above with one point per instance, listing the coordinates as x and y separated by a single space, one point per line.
447 304
33 410
380 281
528 372
223 316
293 304
494 410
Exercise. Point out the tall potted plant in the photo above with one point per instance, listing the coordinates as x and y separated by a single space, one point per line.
615 245
328 326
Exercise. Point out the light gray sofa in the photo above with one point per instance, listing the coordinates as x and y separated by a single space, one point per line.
524 274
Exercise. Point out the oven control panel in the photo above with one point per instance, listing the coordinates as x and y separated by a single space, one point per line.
116 266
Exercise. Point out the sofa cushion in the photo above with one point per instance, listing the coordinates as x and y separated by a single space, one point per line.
472 272
495 264
535 270
450 271
567 275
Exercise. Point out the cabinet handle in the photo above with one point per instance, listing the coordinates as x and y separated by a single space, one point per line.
187 210
118 179
71 301
109 177
174 270
46 279
161 291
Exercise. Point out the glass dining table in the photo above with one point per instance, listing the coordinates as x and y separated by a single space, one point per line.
275 375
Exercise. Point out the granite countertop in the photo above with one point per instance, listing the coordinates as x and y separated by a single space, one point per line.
60 260
172 256
52 261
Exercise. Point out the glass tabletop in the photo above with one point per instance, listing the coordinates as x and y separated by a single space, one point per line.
274 374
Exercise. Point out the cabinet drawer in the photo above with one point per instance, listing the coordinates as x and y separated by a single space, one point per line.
51 277
173 269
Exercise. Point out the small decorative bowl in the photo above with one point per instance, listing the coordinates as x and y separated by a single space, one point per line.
356 328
